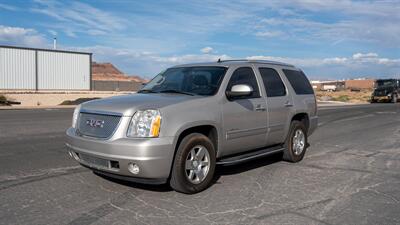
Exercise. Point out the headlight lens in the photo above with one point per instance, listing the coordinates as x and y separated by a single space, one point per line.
145 123
75 116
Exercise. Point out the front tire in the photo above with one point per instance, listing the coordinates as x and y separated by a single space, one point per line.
296 142
194 164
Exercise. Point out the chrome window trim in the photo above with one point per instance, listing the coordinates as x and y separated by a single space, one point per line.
101 112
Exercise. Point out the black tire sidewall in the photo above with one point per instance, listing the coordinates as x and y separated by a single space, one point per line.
288 152
179 181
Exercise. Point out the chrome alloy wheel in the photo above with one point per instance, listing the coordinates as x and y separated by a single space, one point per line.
298 142
197 164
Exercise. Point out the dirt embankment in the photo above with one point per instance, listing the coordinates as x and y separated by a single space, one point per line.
108 72
53 99
345 96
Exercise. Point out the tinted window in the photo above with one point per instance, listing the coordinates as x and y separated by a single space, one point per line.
202 80
272 82
245 75
299 82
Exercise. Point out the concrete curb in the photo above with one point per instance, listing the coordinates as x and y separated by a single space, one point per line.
327 105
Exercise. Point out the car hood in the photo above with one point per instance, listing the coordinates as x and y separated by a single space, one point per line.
127 105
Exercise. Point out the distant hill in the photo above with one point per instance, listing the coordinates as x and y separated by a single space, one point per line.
107 71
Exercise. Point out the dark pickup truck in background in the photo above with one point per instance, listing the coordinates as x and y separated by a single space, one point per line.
386 90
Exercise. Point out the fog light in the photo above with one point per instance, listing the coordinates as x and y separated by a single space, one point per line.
133 168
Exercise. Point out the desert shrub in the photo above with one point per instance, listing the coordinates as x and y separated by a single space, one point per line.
341 98
3 98
77 101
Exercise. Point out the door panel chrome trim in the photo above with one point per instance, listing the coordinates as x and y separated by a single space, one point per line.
233 134
273 128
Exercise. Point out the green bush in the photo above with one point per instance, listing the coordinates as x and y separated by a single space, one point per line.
3 98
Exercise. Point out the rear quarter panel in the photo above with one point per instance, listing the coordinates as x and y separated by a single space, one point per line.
301 103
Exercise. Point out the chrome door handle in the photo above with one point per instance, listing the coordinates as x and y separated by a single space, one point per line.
259 108
288 104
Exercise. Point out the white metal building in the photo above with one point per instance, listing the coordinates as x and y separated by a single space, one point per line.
44 69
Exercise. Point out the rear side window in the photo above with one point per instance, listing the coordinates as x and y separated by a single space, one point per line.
299 82
245 75
272 82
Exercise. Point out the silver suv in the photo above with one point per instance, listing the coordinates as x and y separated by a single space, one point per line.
190 118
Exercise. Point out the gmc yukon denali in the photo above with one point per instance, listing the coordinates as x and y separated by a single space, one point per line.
190 118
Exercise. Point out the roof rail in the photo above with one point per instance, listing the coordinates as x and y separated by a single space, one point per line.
255 61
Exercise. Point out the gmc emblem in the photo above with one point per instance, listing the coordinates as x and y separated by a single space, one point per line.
95 123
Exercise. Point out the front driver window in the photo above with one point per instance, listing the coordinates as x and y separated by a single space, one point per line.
245 75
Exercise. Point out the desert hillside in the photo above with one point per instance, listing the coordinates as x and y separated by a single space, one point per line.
107 71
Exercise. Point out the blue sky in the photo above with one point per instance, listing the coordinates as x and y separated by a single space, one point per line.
327 39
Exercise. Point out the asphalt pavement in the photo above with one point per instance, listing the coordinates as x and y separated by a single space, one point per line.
350 175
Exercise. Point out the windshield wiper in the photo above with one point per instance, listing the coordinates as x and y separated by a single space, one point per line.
147 91
176 91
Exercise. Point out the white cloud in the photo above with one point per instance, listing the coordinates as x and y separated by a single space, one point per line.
80 17
375 59
53 32
357 59
366 55
365 21
335 60
382 32
269 34
100 51
96 32
21 37
149 63
207 50
8 7
189 58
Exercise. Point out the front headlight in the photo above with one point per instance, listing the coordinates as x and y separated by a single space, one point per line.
75 116
145 123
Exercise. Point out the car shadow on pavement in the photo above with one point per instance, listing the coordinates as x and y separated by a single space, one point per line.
147 187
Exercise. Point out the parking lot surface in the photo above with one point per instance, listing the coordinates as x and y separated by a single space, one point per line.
350 175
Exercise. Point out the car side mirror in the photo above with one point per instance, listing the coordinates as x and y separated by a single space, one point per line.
239 90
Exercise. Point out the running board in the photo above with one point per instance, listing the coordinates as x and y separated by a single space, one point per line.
230 160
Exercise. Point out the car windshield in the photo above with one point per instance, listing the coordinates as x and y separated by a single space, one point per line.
201 80
381 83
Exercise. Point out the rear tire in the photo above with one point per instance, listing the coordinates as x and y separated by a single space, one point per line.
194 164
296 142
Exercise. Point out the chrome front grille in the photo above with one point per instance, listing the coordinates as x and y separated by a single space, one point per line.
97 125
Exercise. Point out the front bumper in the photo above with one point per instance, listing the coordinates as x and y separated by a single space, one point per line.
154 156
379 98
